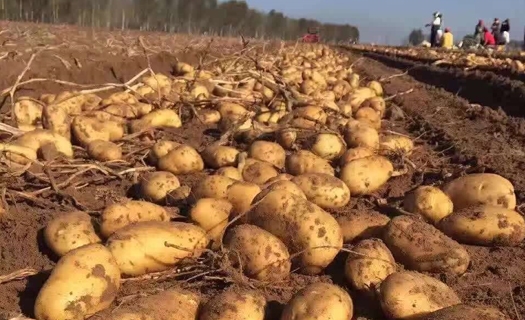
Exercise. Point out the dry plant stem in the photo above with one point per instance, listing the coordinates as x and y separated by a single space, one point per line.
399 94
393 76
18 275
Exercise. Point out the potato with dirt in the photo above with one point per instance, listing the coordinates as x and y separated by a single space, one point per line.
429 202
154 246
41 138
328 146
285 185
366 175
15 156
360 134
234 304
354 154
154 186
160 149
466 312
319 301
220 156
166 118
369 117
27 113
270 152
324 190
181 160
362 224
101 150
396 144
257 171
304 161
421 247
215 186
211 215
88 273
240 195
230 172
89 128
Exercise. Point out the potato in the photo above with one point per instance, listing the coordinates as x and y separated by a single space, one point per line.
154 186
119 215
466 312
305 161
369 263
234 304
16 155
39 138
84 281
360 224
160 149
376 103
231 111
230 172
328 146
182 68
394 143
319 301
158 82
366 175
220 156
410 295
430 202
104 150
181 160
270 152
485 225
208 116
354 154
285 185
324 190
309 116
359 134
240 195
212 216
258 172
481 188
129 111
88 128
154 246
212 187
303 227
360 95
120 97
27 112
270 264
377 87
286 138
69 231
369 116
155 119
421 247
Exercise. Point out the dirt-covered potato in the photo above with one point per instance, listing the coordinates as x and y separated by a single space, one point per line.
303 227
104 150
230 172
394 143
154 186
89 273
181 160
220 156
154 246
430 202
14 155
307 117
305 161
485 225
361 224
481 188
89 128
212 216
40 138
129 111
369 116
286 185
268 151
235 304
155 119
324 190
360 134
119 215
366 175
328 146
286 138
240 195
209 116
354 154
466 312
160 149
215 186
27 113
376 103
272 263
257 171
319 301
69 231
410 295
421 247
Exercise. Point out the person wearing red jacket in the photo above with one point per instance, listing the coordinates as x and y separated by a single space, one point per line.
489 38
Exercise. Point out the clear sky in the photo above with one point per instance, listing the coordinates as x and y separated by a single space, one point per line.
390 21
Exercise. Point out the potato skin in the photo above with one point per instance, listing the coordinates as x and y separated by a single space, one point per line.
212 216
181 160
354 154
410 295
220 156
230 172
328 146
466 312
240 195
154 186
319 301
366 175
430 202
268 151
84 281
286 185
396 144
235 305
360 225
160 149
359 134
305 161
485 225
302 226
69 231
481 188
215 186
258 172
104 150
154 246
324 190
421 247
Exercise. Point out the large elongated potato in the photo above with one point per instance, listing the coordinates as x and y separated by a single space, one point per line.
181 160
361 224
466 312
154 246
158 118
366 175
422 247
410 295
485 225
303 227
261 254
212 216
304 161
235 305
84 281
481 188
324 190
69 231
154 186
220 156
268 151
215 186
430 202
319 301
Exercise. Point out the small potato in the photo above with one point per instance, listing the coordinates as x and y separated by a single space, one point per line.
154 186
369 264
319 301
88 273
376 103
230 172
421 247
153 246
209 116
485 225
369 116
360 224
411 295
481 188
286 138
155 119
270 264
270 152
213 187
231 111
310 115
430 202
328 146
69 231
160 149
354 154
220 156
27 112
120 215
234 304
324 190
394 143
212 216
366 175
240 195
305 161
181 160
359 134
466 312
15 155
104 150
258 172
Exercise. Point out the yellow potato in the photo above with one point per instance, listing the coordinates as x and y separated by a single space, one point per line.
377 87
234 304
211 215
231 111
270 152
27 112
181 160
328 146
220 156
240 195
324 190
39 138
208 116
430 202
376 103
215 186
16 155
354 154
305 161
182 68
87 128
129 111
158 118
466 312
394 143
104 150
120 98
369 116
285 185
160 149
154 186
359 134
258 172
286 138
230 172
366 175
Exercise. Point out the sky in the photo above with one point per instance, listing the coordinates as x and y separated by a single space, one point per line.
390 21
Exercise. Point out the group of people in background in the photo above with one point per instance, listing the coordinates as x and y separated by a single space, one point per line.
438 38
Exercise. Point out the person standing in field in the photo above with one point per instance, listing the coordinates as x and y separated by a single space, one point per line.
496 26
478 32
505 31
447 40
435 26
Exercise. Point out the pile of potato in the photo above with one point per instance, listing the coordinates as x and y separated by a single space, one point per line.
267 207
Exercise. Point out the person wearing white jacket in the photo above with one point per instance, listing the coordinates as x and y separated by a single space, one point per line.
436 24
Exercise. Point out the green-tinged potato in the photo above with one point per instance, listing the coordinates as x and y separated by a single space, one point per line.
258 172
394 143
430 202
304 228
354 154
69 231
319 301
220 156
84 281
369 263
466 312
270 152
119 215
104 150
421 247
328 146
305 161
212 216
154 246
262 255
359 134
481 188
38 138
240 195
234 304
411 295
230 172
215 186
160 149
324 190
360 224
485 225
181 160
154 186
155 119
366 175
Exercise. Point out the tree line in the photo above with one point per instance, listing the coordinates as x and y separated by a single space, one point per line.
230 18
